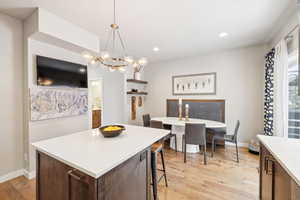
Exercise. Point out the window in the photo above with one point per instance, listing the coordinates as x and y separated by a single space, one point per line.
294 98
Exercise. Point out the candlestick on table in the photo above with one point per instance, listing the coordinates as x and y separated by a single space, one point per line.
180 109
186 112
180 101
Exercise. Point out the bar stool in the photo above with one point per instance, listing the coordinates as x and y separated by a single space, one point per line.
157 124
156 149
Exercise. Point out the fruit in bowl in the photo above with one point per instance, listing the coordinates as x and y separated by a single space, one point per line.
112 130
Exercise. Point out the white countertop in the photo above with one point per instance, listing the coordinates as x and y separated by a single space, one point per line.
286 152
175 121
91 153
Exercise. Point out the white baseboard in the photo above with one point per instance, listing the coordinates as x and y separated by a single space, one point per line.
240 144
15 174
29 175
11 175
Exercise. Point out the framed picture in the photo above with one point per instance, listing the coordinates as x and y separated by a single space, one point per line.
50 103
195 84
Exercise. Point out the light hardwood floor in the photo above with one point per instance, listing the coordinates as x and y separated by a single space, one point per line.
221 179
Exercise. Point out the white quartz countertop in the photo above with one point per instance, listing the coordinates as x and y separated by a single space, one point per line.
91 153
286 152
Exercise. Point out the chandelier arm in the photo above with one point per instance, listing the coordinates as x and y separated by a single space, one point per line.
141 68
122 43
114 41
107 41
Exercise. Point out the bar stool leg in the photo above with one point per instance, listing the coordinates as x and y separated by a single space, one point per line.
184 152
204 152
175 138
154 174
164 166
213 147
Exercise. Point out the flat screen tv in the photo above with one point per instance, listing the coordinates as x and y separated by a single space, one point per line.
57 73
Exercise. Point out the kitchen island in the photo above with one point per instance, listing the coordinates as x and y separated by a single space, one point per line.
87 166
279 168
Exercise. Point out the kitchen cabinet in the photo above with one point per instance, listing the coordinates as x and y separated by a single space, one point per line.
88 166
128 181
96 118
275 182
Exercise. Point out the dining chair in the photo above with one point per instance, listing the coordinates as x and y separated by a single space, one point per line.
156 149
146 120
227 138
159 124
195 134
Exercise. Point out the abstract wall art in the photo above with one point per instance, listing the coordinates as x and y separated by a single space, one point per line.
195 84
49 103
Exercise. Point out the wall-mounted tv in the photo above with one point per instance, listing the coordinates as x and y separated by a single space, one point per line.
57 73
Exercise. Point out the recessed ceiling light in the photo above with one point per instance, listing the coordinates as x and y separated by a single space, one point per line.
156 49
223 35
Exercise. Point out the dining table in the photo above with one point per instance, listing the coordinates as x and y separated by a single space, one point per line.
178 128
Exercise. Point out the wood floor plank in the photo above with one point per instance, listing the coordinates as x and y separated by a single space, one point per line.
221 179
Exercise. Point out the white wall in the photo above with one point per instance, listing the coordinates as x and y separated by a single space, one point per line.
139 110
11 106
113 94
289 20
66 32
239 82
113 97
65 45
39 130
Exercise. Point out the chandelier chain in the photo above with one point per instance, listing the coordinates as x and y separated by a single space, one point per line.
115 60
114 11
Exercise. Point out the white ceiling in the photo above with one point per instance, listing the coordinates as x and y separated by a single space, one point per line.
180 28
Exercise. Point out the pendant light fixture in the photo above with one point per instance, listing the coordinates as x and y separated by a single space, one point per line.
112 57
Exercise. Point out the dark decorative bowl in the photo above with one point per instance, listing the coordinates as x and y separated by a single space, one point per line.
109 134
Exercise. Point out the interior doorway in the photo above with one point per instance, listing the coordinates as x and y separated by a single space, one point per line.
96 102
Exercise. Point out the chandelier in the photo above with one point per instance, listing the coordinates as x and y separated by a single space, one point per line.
113 58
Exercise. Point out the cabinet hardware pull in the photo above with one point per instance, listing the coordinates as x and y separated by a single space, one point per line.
74 175
268 170
266 164
143 156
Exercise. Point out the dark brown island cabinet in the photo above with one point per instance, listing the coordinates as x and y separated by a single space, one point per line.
275 182
128 181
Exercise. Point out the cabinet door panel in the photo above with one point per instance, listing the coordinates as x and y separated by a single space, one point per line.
129 181
295 190
68 184
266 175
282 183
81 186
51 174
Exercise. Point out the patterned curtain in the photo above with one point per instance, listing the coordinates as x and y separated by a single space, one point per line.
269 93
